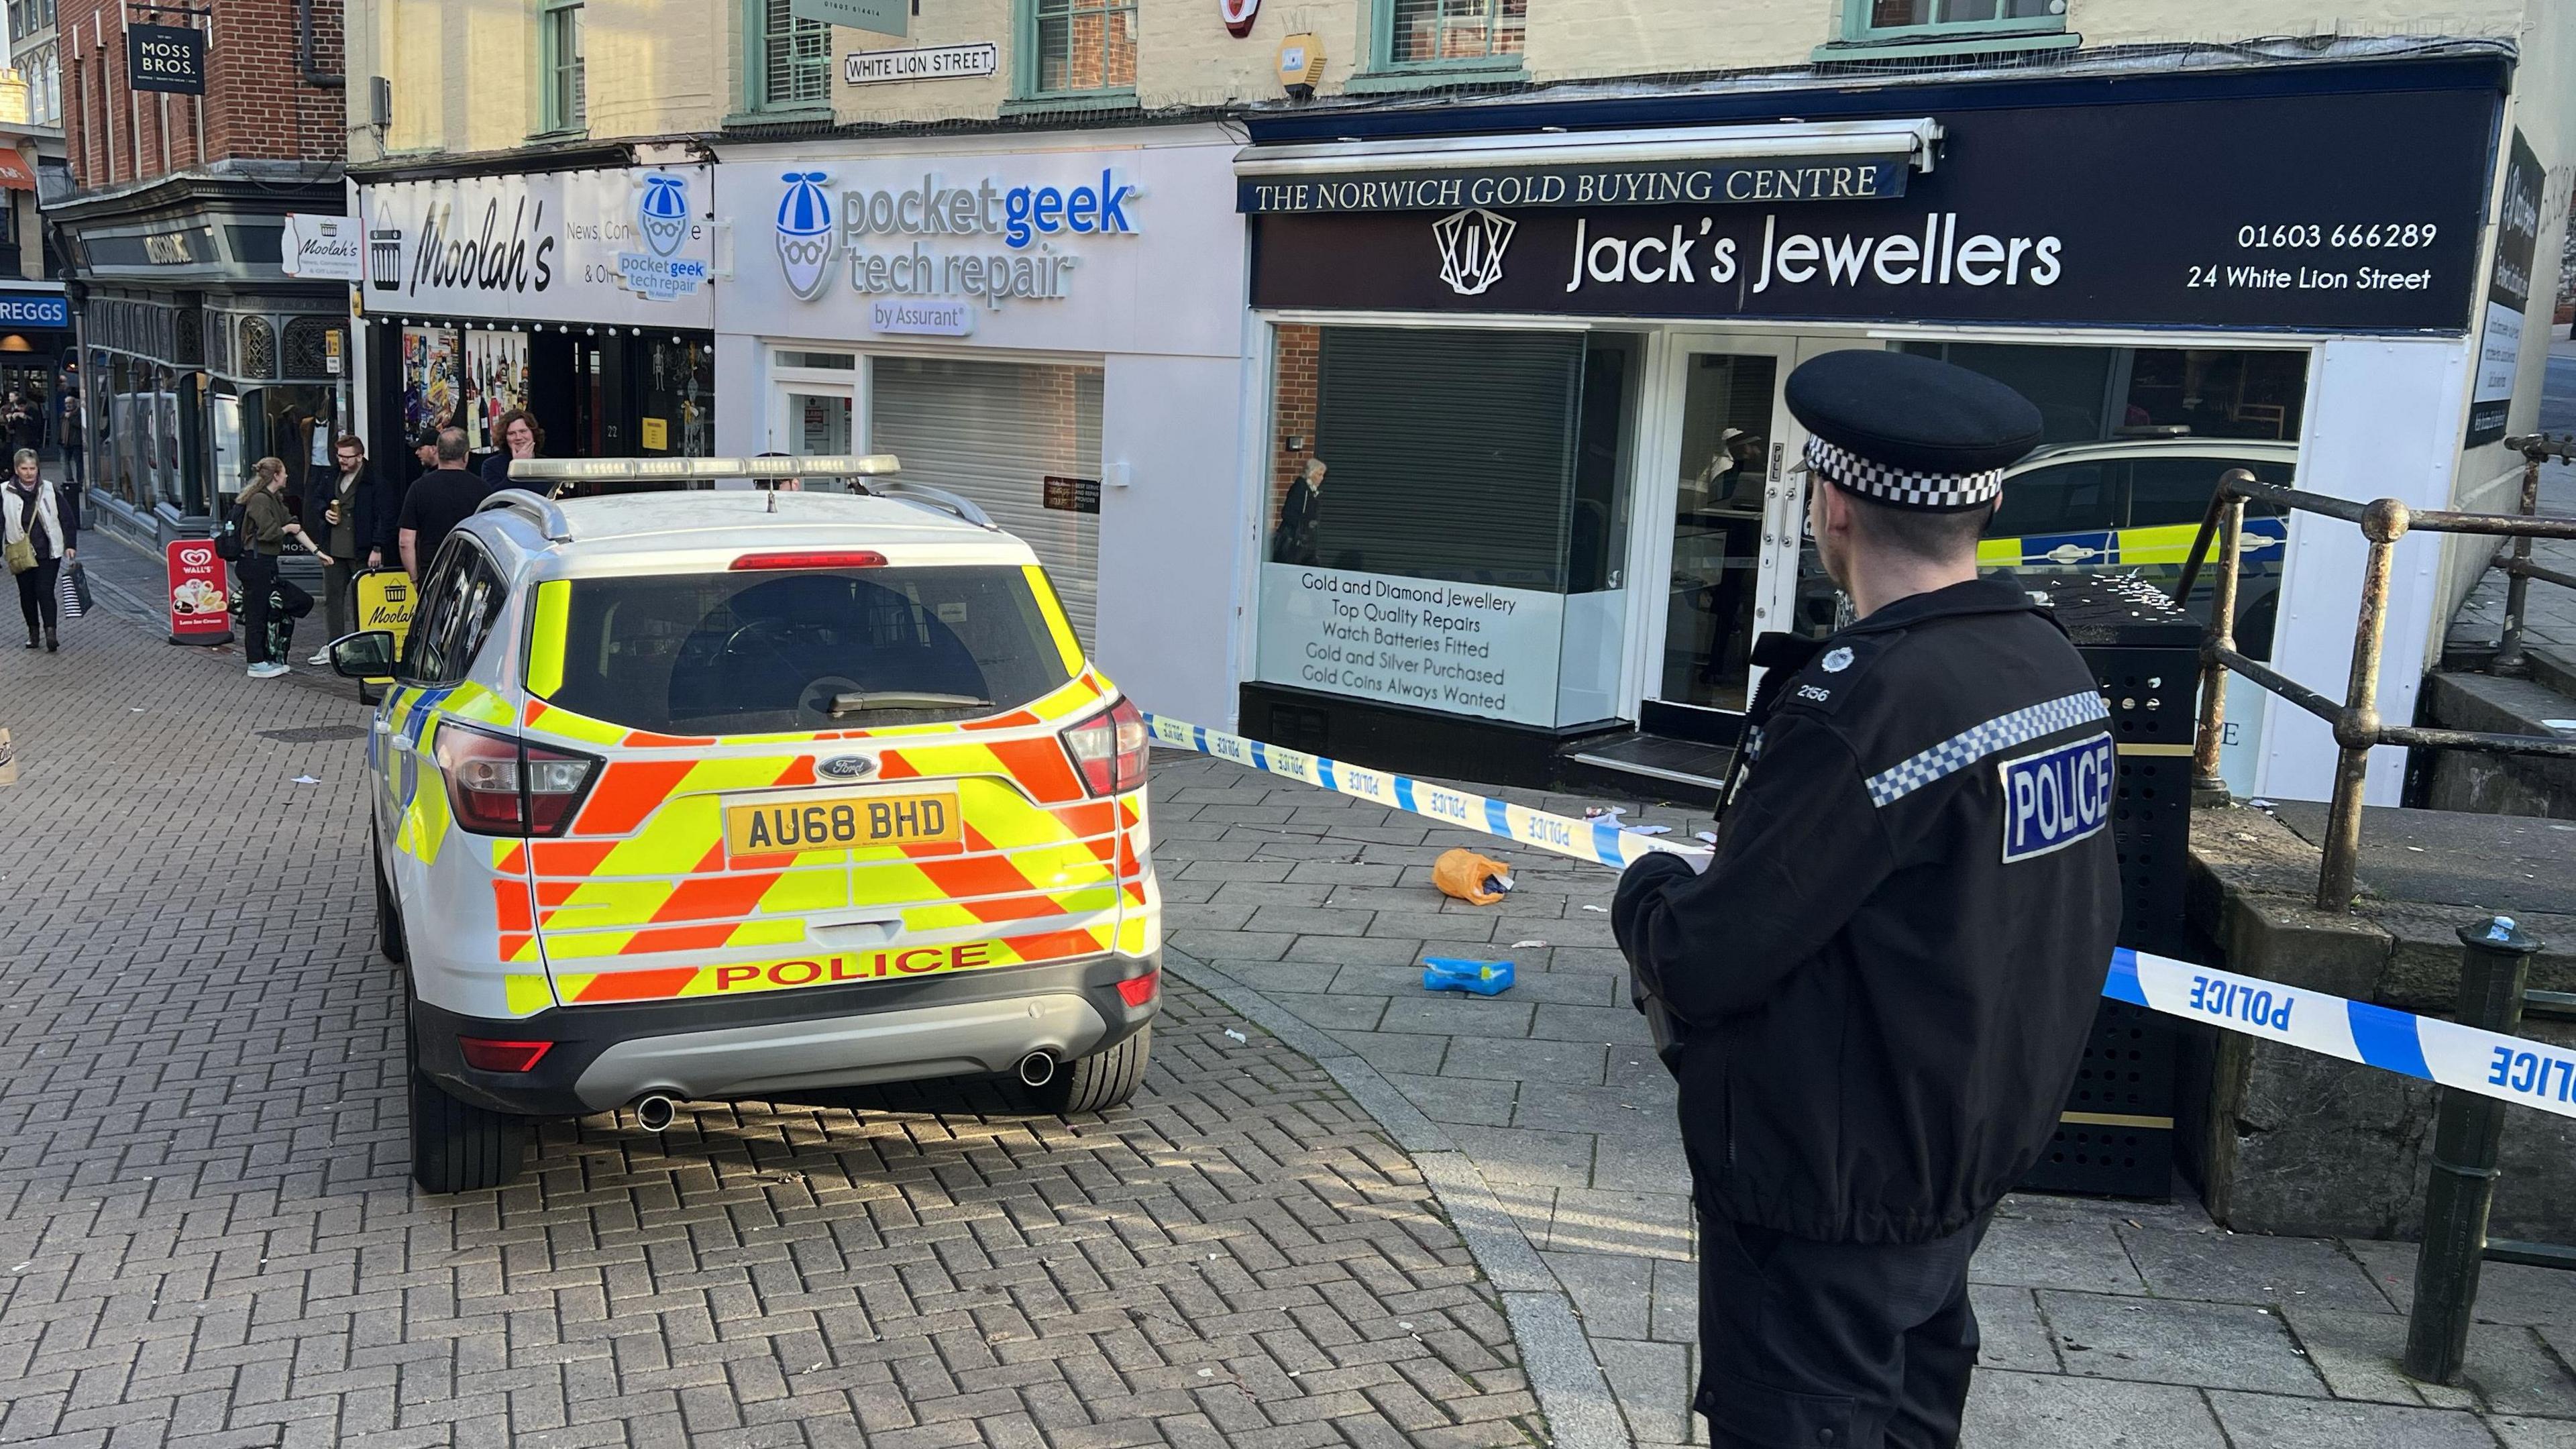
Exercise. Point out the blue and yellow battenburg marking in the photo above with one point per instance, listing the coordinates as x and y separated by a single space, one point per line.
2511 1069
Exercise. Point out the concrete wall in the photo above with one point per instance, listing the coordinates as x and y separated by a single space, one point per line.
464 72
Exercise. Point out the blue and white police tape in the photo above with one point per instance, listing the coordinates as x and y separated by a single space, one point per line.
2508 1068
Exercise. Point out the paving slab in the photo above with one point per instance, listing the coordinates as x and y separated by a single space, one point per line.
2028 1251
2275 1422
2218 1266
2216 1345
2010 1332
2053 1411
2507 1292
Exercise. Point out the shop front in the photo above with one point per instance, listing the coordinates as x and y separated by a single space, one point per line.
582 296
1056 336
35 343
197 355
1532 489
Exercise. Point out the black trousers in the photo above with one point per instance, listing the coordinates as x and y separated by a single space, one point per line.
36 597
1833 1345
255 575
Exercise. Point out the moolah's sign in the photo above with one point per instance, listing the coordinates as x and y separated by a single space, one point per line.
2112 213
895 240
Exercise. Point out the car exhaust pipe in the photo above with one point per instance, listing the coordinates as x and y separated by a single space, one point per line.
1037 1069
655 1112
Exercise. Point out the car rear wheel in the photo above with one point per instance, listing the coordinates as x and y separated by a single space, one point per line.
457 1146
1100 1081
389 936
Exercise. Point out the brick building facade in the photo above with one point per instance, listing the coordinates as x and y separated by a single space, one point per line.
198 354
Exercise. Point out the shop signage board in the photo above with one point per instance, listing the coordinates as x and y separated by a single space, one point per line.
926 62
2355 212
199 603
617 246
1732 182
33 309
323 248
2508 298
1460 648
885 17
168 58
1046 250
1071 495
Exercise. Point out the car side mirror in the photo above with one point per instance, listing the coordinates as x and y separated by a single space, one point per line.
363 656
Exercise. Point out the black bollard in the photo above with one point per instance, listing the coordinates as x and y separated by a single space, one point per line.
2495 961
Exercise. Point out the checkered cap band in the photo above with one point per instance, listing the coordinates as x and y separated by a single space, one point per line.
1899 486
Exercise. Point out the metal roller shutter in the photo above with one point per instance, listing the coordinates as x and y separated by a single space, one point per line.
994 432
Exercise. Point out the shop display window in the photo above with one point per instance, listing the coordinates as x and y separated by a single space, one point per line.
1447 520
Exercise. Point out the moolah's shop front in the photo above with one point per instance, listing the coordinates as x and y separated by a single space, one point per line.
1532 490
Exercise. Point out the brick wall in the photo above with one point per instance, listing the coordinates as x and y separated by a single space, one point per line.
257 104
1292 410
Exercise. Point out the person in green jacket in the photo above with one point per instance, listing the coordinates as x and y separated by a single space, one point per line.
267 523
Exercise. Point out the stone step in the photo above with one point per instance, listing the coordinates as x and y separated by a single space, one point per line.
2504 784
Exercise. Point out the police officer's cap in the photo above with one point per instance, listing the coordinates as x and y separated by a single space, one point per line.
1908 431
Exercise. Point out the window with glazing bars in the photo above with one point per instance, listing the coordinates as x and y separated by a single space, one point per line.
567 88
1425 31
1085 45
795 57
1882 19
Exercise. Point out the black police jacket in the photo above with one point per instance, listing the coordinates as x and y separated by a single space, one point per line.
1886 975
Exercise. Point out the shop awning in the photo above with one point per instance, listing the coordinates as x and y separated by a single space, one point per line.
15 173
1683 166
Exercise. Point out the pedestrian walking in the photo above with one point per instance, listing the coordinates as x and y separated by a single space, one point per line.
443 498
39 533
266 525
1876 996
347 517
520 438
71 429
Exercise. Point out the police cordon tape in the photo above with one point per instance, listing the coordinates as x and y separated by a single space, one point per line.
2508 1068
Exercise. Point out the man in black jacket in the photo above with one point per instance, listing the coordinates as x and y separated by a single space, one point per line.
351 521
1882 983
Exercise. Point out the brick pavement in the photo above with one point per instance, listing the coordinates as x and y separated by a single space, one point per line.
207 1236
2135 1324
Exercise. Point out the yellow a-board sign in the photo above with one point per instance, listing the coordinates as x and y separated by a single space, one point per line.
384 598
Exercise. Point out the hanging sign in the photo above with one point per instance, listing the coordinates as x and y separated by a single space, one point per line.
323 248
1238 15
166 58
885 17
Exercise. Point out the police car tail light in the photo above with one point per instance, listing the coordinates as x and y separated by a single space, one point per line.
811 558
501 786
486 1055
1109 749
1137 990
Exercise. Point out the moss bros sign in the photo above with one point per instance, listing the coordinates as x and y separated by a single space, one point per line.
166 58
2356 212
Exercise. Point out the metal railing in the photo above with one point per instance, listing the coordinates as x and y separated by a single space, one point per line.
2357 725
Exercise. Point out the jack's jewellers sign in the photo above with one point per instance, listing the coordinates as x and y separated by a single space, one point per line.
2325 212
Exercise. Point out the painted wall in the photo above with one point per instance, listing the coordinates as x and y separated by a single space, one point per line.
1186 58
1160 311
464 72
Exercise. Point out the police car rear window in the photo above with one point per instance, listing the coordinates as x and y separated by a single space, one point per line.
752 653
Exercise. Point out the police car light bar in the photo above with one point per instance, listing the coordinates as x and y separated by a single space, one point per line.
673 470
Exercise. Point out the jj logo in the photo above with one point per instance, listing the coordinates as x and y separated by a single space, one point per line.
1471 249
805 233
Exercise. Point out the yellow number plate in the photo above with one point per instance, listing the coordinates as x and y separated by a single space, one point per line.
842 821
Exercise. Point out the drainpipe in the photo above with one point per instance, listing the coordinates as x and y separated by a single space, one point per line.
304 44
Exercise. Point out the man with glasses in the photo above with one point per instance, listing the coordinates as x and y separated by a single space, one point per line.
351 522
1876 996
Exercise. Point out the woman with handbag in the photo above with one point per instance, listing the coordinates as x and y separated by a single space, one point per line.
39 532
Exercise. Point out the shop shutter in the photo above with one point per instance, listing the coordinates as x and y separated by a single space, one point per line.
994 432
1449 454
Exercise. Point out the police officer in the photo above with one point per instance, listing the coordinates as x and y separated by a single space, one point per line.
1881 985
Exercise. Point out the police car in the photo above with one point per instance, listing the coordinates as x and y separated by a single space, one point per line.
736 792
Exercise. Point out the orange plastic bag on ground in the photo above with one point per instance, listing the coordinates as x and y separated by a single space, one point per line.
1476 879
